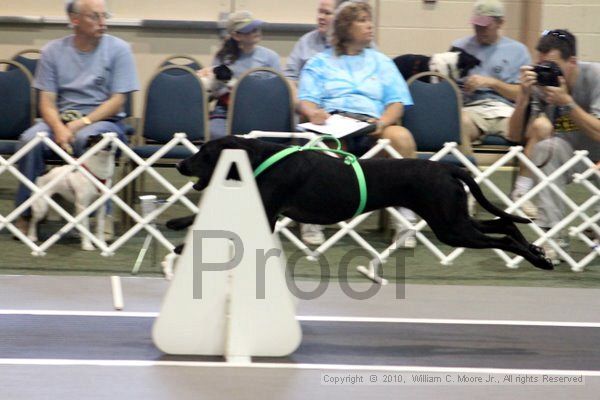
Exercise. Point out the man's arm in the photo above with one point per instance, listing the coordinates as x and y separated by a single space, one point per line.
106 110
589 124
509 91
516 123
559 96
49 112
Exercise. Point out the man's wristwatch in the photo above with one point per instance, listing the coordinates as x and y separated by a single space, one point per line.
569 107
86 120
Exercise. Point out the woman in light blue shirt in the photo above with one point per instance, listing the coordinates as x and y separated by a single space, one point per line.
351 77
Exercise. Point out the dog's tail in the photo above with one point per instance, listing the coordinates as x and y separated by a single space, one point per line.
462 175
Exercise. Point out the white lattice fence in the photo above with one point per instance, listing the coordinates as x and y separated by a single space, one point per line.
576 222
107 192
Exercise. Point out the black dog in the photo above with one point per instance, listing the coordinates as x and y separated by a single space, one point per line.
454 64
312 187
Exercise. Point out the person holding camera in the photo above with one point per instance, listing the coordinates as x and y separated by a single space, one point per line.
559 108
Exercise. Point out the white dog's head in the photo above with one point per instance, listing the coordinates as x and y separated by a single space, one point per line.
454 64
102 163
220 82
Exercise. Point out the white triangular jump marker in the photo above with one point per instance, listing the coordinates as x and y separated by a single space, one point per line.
236 312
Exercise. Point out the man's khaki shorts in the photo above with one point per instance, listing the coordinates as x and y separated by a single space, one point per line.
488 126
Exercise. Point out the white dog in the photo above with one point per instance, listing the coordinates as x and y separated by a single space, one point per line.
78 189
454 64
217 81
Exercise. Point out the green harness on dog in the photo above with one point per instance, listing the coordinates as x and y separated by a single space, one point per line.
349 159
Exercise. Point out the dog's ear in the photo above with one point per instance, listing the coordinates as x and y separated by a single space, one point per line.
223 73
466 61
92 140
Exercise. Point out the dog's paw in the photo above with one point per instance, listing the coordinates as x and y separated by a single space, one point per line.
87 247
168 265
178 224
544 263
178 249
537 250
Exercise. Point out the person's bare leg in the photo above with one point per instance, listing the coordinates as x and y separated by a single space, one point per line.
539 129
470 130
401 140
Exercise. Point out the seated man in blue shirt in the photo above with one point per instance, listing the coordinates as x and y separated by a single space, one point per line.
83 81
312 42
491 88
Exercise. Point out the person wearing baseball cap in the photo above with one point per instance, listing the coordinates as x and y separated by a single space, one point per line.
242 22
240 52
485 11
490 88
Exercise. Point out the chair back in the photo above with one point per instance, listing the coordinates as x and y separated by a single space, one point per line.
28 58
17 109
181 60
435 117
261 100
175 102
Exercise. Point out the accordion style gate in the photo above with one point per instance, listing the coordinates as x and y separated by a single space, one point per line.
581 217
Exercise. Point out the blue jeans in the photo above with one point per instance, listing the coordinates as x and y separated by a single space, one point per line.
33 163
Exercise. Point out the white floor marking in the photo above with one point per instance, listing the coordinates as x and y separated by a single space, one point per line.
313 318
330 367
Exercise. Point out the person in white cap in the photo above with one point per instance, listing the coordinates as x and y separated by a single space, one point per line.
240 52
491 88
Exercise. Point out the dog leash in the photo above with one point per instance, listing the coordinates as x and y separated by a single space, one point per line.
349 159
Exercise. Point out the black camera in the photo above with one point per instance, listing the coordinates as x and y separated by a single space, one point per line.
547 73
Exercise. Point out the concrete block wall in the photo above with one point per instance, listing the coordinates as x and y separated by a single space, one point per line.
403 26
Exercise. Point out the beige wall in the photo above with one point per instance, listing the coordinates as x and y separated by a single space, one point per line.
404 26
411 26
582 17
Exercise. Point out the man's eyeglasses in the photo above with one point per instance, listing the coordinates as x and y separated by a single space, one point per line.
96 16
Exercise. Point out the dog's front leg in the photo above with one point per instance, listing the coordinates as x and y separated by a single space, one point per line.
80 205
100 218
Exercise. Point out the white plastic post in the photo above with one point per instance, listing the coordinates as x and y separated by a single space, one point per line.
211 310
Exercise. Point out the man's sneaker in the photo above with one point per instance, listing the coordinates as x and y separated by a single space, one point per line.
409 241
528 207
312 234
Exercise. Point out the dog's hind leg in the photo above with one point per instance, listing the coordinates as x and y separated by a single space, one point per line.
467 235
39 209
178 224
507 228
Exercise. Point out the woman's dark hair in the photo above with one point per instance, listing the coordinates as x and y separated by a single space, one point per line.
345 16
558 39
229 52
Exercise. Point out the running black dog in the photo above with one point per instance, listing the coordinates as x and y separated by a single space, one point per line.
315 188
